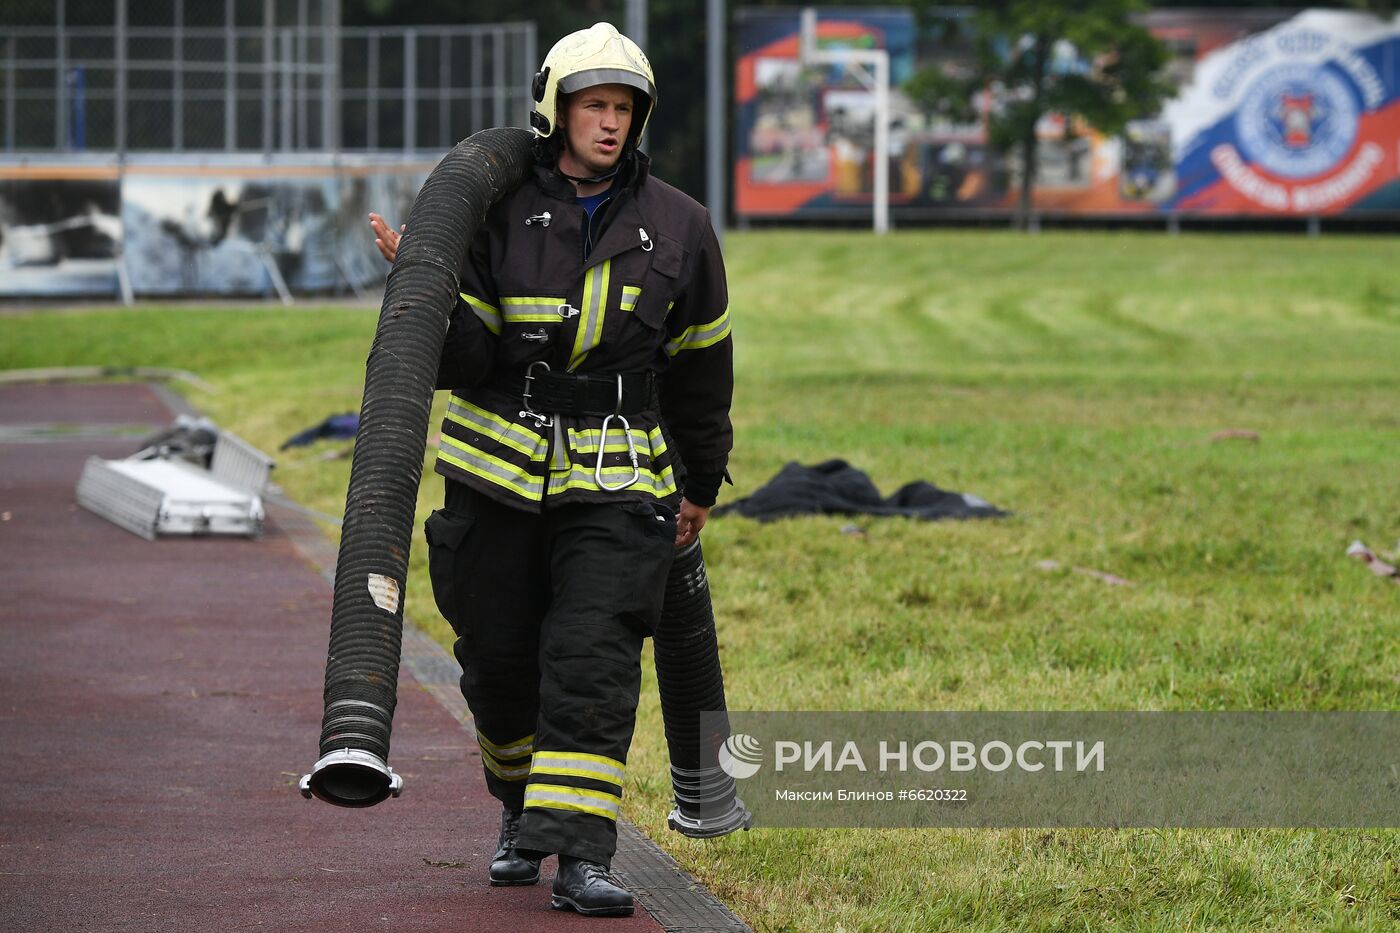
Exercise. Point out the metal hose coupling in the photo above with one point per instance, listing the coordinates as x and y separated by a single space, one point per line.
690 681
706 804
351 778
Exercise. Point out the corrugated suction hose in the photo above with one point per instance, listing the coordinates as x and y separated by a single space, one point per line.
362 666
690 681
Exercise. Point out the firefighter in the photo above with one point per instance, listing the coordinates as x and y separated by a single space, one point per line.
592 300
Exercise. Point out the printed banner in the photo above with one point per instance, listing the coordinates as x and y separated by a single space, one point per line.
186 228
1275 115
805 134
1301 119
60 235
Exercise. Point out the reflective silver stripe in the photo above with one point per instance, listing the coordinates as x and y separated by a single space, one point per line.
579 765
516 749
504 772
563 797
532 310
492 469
590 323
630 294
586 441
489 315
516 437
579 477
495 757
700 335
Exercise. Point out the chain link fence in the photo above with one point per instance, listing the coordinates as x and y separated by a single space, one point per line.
427 88
226 147
270 76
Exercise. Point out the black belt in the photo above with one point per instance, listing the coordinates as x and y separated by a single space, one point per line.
581 394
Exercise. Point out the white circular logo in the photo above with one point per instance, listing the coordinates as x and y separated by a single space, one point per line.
1297 120
740 756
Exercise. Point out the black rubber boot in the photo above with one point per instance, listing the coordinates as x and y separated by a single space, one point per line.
509 867
585 887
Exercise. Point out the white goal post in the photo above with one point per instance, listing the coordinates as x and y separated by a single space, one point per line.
872 68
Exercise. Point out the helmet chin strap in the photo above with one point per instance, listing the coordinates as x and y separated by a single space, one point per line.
595 179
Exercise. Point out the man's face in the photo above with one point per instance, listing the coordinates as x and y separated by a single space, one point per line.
596 123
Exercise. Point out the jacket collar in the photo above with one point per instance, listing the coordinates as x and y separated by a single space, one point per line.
636 168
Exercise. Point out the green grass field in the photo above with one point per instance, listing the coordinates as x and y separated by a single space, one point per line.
1075 379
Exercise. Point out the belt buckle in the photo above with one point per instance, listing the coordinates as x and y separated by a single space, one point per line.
541 420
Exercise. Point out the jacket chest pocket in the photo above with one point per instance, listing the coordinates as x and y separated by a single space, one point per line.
531 323
651 298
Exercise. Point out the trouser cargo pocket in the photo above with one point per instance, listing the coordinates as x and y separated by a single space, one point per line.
446 532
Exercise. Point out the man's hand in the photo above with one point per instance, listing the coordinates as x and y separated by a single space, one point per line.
689 522
384 237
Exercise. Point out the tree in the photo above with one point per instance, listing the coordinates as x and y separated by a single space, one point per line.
1087 61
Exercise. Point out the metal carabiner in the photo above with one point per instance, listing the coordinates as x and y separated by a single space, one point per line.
541 421
603 446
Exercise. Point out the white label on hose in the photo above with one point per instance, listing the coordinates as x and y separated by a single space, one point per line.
384 591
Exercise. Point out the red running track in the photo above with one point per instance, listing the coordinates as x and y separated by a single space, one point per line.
160 699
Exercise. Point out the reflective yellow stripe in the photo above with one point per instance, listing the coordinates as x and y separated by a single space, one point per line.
615 446
516 437
518 773
596 337
516 749
595 306
492 469
630 294
572 772
579 764
562 797
590 435
701 335
606 813
580 477
586 441
589 294
490 316
494 757
532 310
523 432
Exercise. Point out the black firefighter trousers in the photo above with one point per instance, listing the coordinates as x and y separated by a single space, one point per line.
550 611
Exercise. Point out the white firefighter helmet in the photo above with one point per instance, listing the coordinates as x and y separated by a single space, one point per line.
596 55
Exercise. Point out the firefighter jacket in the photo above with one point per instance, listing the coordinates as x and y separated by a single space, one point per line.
649 296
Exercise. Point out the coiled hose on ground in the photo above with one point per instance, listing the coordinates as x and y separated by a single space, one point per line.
362 665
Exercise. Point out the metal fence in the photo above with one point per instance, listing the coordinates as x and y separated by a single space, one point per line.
428 88
251 76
